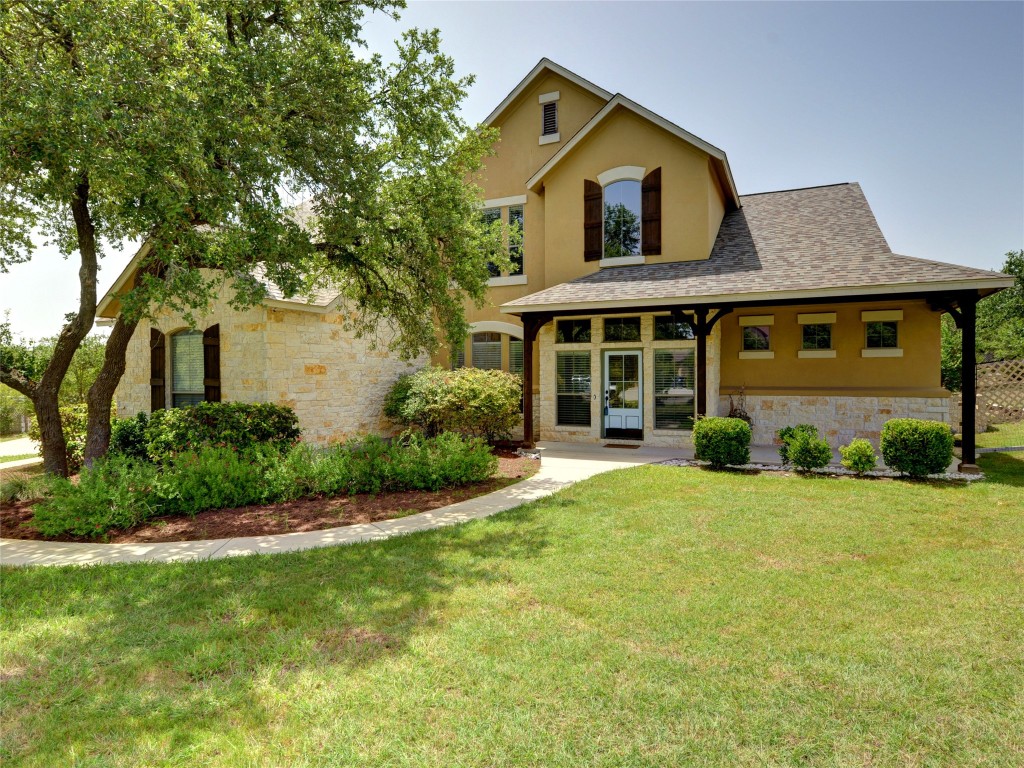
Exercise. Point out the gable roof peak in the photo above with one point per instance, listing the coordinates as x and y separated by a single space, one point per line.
542 66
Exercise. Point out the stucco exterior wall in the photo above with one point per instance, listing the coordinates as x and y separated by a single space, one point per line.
549 429
839 419
306 360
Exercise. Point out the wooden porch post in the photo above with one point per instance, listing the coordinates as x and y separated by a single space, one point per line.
968 360
531 325
700 330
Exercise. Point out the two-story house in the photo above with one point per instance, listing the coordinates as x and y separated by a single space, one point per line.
648 291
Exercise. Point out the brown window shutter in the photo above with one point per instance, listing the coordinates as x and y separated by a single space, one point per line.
157 371
650 202
211 364
593 220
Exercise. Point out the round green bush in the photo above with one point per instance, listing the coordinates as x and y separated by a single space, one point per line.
787 434
917 447
859 456
721 441
808 451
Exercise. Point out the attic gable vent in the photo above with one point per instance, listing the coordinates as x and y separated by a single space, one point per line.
550 124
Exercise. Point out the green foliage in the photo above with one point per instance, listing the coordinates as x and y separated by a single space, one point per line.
128 437
952 355
786 435
471 401
119 492
73 419
807 451
859 456
115 493
721 441
917 447
14 409
241 426
23 487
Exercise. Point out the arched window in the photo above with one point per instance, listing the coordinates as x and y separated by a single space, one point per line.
622 213
191 367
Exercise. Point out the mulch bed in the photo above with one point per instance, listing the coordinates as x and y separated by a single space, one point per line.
287 517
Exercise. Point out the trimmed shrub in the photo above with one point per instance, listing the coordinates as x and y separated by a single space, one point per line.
917 447
808 451
471 401
242 426
73 420
859 456
128 437
721 440
787 434
214 478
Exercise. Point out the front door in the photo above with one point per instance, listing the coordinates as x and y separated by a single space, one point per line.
623 395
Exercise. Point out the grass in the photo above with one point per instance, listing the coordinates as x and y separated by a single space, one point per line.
18 457
1002 435
648 617
7 438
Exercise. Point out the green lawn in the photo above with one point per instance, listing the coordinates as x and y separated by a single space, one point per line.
1002 435
18 457
655 616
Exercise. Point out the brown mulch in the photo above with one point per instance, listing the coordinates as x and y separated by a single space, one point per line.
286 517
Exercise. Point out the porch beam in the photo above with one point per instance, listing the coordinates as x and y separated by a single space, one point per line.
702 326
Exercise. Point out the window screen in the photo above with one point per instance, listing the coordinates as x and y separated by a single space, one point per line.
487 350
515 250
550 119
573 393
667 328
882 335
515 356
818 336
572 332
674 388
187 368
622 329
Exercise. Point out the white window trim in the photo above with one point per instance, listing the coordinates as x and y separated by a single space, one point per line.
551 138
496 326
882 352
758 354
622 261
816 353
817 318
504 202
622 173
546 98
497 282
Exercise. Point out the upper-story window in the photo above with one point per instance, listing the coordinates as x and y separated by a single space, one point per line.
491 215
622 214
515 245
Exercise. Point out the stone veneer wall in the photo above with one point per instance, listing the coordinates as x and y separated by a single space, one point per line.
550 430
306 360
840 419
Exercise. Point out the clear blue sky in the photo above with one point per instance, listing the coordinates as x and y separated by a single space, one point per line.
922 103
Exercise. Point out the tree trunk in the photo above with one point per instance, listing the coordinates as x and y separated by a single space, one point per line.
51 433
101 393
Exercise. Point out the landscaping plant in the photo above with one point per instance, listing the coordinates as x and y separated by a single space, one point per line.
73 422
917 447
720 441
241 426
128 437
787 434
859 456
807 451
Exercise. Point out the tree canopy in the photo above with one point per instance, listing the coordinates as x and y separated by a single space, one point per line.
195 125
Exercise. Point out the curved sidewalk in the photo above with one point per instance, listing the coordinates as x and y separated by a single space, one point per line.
561 466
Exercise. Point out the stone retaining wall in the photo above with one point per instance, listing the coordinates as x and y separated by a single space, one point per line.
840 419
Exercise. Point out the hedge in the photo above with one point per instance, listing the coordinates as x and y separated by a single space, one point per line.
721 440
917 447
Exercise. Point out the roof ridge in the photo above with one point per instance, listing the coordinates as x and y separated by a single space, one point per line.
802 189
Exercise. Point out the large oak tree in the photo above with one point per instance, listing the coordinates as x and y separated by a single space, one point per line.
194 125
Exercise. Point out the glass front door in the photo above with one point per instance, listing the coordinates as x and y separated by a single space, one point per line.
623 395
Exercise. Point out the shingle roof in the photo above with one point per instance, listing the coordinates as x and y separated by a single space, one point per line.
320 297
801 241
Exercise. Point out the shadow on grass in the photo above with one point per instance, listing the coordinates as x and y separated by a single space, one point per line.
166 654
1003 468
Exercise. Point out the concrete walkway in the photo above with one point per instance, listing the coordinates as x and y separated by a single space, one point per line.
562 465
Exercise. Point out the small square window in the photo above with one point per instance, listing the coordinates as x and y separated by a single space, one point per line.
668 328
622 329
882 335
756 338
572 331
818 336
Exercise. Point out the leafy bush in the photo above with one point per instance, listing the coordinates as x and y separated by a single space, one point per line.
471 401
73 420
721 441
787 434
114 493
859 456
21 487
128 437
214 478
808 451
917 447
241 426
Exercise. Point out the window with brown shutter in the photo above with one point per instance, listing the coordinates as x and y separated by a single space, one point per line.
593 220
211 364
157 370
650 236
